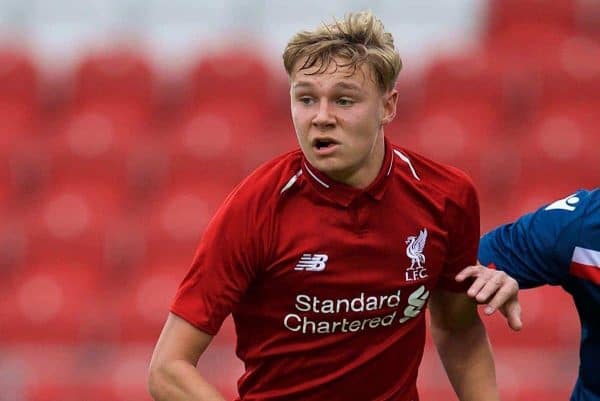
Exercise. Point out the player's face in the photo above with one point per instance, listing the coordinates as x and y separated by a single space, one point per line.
339 118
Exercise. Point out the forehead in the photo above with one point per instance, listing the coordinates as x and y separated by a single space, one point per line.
336 73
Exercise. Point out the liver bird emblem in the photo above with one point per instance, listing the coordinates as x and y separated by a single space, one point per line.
414 250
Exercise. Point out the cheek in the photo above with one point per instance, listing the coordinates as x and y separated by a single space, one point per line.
364 123
300 119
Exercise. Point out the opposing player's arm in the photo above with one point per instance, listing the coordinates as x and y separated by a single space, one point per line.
463 345
533 251
172 374
536 249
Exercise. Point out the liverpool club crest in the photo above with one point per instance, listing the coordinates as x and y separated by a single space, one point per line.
414 251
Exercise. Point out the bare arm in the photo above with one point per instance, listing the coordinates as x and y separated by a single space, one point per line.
172 374
463 346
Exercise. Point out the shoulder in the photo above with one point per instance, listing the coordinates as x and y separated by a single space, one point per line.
264 185
538 247
554 227
561 213
438 179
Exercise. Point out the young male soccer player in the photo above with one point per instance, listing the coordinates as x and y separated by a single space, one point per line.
327 256
559 244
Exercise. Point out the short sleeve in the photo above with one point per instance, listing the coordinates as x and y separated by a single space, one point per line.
537 248
224 266
462 217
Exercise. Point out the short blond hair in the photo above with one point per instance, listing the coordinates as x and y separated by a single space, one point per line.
360 38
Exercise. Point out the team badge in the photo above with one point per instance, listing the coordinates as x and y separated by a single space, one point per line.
414 250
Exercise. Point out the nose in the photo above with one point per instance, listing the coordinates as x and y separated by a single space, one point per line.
324 119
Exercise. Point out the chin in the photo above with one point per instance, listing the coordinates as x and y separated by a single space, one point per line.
329 166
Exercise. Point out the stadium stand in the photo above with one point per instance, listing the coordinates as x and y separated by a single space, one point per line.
104 195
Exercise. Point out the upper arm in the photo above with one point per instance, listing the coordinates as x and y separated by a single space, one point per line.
452 311
179 340
537 248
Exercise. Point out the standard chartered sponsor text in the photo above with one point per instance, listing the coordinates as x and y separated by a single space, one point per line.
323 308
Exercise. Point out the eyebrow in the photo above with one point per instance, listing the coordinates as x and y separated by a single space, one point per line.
339 85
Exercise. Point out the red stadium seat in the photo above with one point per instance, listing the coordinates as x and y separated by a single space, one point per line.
101 146
18 97
71 221
553 390
239 75
147 168
178 216
51 302
461 111
25 171
589 19
503 14
14 244
559 151
277 137
24 367
455 134
539 330
214 139
122 77
70 392
58 371
142 304
467 77
574 80
526 48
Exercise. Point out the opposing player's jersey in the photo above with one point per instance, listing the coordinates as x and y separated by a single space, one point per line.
326 283
559 245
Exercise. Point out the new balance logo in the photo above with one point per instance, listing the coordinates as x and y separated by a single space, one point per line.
312 263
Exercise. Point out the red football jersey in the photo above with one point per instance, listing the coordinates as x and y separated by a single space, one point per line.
327 283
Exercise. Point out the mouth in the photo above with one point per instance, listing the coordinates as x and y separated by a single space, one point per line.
324 143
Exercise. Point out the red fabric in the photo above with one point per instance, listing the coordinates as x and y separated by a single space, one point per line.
248 264
586 272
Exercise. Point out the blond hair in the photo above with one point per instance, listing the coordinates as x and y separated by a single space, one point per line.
360 38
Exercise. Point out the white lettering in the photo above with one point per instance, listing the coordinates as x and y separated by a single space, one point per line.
323 328
286 322
306 323
413 275
361 303
303 303
328 306
387 320
355 326
372 303
343 302
394 300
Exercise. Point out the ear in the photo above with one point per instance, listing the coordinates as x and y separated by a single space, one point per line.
390 99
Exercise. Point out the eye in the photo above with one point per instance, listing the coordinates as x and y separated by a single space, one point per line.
344 101
305 100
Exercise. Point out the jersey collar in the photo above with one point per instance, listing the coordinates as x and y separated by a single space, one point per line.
345 194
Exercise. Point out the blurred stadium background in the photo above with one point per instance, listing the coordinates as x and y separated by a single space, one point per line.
123 124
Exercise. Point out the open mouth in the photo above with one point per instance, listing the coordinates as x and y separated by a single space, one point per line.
324 143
